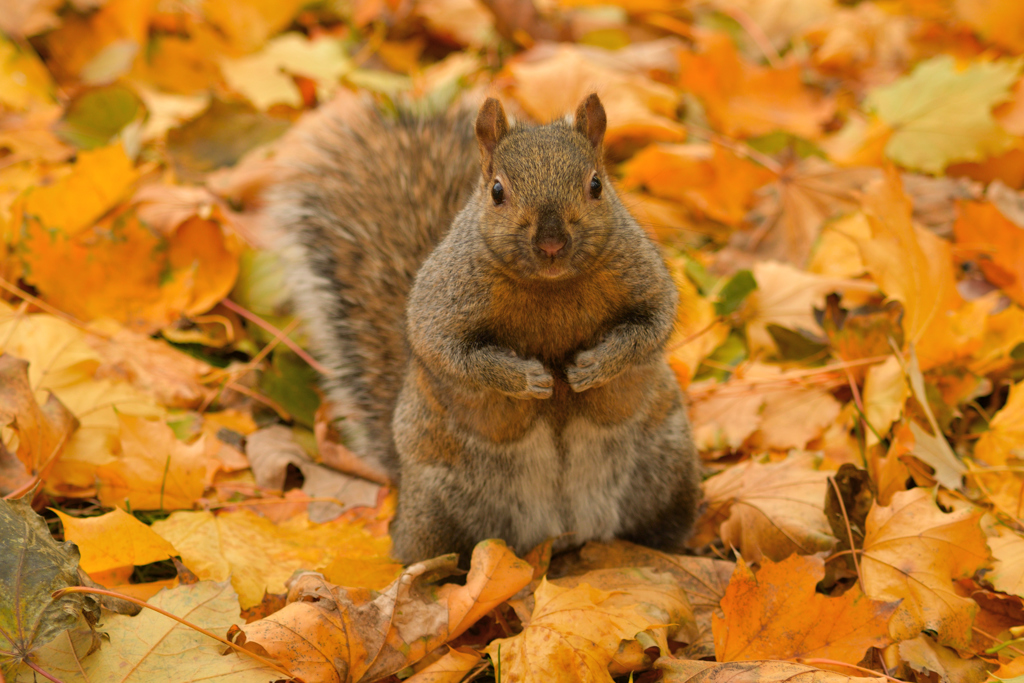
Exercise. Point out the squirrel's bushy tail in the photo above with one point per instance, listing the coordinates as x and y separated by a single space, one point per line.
365 200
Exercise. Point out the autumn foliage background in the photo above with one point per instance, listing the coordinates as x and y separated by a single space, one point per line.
837 185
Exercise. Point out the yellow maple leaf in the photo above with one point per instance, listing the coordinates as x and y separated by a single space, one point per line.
940 113
1005 436
137 544
770 510
154 471
912 552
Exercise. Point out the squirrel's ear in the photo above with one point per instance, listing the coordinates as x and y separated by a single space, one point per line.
591 120
491 127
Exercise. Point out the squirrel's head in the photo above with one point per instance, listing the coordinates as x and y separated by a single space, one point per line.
548 209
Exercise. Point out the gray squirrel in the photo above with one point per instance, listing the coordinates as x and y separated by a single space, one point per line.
494 322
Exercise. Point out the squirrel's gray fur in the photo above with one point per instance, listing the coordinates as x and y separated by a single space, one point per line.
507 372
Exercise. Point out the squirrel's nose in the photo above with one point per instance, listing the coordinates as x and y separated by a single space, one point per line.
552 246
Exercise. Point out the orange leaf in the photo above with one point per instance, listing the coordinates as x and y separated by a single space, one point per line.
709 179
137 544
985 233
778 614
744 100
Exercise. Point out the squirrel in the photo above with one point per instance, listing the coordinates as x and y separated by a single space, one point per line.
494 321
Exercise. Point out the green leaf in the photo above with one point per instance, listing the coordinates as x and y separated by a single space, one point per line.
290 383
734 292
941 114
32 567
795 345
96 116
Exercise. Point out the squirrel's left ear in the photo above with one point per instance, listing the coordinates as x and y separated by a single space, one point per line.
491 127
591 120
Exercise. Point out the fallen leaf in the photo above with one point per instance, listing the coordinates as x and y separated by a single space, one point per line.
777 614
32 567
926 656
259 555
982 231
154 471
24 80
42 431
272 451
912 552
709 179
155 649
694 671
1000 21
913 266
453 667
577 631
770 510
1007 573
885 393
330 633
137 544
941 113
746 100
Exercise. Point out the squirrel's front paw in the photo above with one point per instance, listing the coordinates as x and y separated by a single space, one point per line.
587 372
539 382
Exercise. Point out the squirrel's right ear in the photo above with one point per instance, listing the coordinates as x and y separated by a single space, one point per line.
591 120
491 127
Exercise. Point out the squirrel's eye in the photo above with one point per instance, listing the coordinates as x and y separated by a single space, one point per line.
497 193
595 187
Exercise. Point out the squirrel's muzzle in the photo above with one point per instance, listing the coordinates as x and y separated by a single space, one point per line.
551 240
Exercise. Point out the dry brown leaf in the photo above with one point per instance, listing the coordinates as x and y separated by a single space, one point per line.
770 510
1007 573
329 633
575 633
926 656
693 671
912 552
36 433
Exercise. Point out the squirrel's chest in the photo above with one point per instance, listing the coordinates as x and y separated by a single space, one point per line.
553 324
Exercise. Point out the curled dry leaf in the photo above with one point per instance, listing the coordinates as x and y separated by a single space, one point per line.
692 671
703 579
776 614
770 510
333 634
273 449
926 657
42 430
452 667
32 567
577 633
912 552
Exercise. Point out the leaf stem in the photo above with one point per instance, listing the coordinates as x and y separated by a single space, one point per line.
256 320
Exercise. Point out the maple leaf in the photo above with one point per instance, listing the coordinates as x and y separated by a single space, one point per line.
926 656
137 544
155 649
770 510
778 614
1005 436
694 671
576 632
708 178
940 114
42 430
551 80
330 633
32 567
912 552
985 233
1007 562
259 555
748 100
